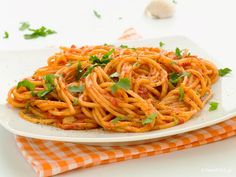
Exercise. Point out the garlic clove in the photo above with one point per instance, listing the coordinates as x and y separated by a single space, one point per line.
161 8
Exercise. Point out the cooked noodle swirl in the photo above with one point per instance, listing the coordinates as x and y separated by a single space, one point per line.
153 100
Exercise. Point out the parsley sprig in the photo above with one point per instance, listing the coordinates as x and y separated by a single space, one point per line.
224 71
123 83
27 84
35 33
181 93
6 35
178 53
149 119
213 106
76 89
175 77
97 14
49 83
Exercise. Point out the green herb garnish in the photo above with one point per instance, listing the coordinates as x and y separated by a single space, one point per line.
79 71
49 82
96 14
24 26
27 84
76 89
123 46
40 32
149 119
6 35
89 70
104 60
161 44
117 119
175 77
213 106
75 102
181 93
224 71
174 1
123 83
178 52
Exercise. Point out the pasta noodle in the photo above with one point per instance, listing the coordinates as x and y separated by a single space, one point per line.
120 89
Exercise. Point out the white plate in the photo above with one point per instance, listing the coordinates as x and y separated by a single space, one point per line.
16 65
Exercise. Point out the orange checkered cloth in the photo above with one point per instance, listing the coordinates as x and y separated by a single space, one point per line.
49 158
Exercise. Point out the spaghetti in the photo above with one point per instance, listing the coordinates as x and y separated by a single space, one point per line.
117 88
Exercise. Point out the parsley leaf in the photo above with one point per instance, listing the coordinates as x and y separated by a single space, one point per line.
40 32
6 35
24 26
161 44
224 71
174 1
149 119
89 70
181 93
117 119
107 55
96 14
123 83
175 77
49 78
75 102
115 74
79 72
178 52
213 106
104 60
123 46
76 89
27 84
49 82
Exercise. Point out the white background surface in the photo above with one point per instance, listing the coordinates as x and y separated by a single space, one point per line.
210 23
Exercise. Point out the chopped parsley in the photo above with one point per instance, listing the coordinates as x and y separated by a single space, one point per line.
89 70
75 102
76 89
149 119
49 82
24 26
123 83
181 93
213 106
161 44
27 84
6 35
123 46
104 60
117 119
40 32
175 77
178 52
96 14
224 71
174 1
79 71
27 106
115 74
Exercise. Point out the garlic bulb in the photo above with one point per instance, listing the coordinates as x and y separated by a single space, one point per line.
161 8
